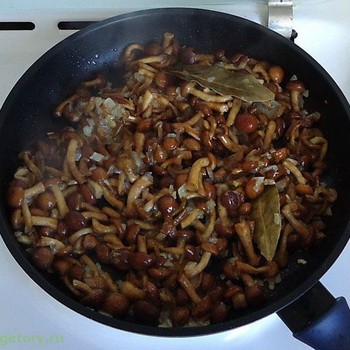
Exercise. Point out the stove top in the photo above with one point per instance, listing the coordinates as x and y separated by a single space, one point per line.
30 318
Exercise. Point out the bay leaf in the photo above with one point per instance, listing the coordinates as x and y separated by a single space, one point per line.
225 82
267 217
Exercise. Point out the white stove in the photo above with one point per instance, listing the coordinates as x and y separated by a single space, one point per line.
30 318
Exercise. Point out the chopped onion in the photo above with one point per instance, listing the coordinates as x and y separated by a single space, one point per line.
87 130
18 233
270 110
139 77
211 204
109 103
172 135
149 176
328 211
95 188
259 180
282 184
295 162
138 161
98 101
168 263
97 157
78 155
270 167
210 173
118 111
113 170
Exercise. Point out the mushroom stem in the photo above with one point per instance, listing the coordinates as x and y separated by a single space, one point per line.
61 202
70 159
103 229
188 88
236 106
193 270
299 226
243 231
136 189
44 221
270 131
295 171
195 175
188 287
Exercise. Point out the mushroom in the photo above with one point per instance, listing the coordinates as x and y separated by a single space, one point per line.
295 171
269 134
130 52
299 226
271 269
296 88
253 291
131 291
167 41
281 255
236 294
61 202
321 141
262 68
229 143
98 83
59 110
71 162
17 194
209 227
27 216
44 221
136 189
127 166
53 243
235 106
188 287
157 60
189 88
103 229
97 215
276 74
111 198
194 180
25 156
193 269
244 233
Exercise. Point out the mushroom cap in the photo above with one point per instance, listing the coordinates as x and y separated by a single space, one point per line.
296 85
186 88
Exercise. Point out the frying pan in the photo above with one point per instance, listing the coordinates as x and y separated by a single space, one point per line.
307 308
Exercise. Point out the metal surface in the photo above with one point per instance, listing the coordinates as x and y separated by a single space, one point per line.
280 17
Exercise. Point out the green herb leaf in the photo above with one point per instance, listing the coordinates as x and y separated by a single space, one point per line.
225 82
267 217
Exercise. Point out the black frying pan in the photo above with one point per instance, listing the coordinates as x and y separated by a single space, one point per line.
27 115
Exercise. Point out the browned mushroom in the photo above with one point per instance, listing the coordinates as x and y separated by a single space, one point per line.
158 182
296 88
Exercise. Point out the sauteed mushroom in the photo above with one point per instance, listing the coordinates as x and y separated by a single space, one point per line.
165 180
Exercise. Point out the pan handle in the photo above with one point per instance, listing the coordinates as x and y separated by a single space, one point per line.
319 320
